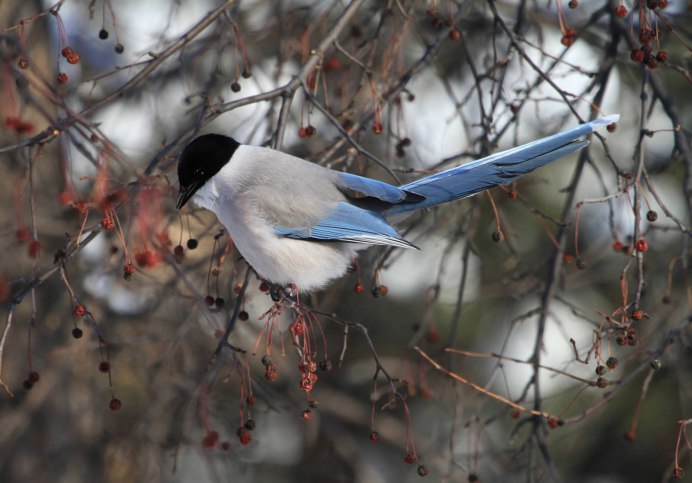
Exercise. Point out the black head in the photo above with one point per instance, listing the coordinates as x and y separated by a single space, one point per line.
200 160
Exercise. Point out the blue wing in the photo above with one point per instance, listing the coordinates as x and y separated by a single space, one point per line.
348 223
499 168
372 187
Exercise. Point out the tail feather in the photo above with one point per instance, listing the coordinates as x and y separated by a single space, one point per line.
496 169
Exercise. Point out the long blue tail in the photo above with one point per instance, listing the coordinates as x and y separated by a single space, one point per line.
499 168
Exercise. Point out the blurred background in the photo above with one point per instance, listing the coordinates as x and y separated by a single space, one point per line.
113 362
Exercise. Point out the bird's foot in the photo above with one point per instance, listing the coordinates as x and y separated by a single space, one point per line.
277 292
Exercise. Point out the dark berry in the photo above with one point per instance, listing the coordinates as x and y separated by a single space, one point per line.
243 316
602 382
192 243
651 215
235 87
573 4
209 300
423 470
34 376
27 384
497 236
119 48
115 404
601 370
103 34
219 302
662 56
250 424
637 55
77 333
104 366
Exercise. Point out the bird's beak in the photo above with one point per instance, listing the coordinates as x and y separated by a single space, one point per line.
185 194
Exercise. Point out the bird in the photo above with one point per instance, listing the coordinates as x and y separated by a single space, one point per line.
300 225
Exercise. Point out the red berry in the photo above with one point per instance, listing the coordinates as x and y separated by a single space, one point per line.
567 258
567 41
79 310
409 458
34 376
512 195
662 3
617 247
264 287
359 287
22 235
423 470
245 438
251 400
34 249
377 128
630 436
66 52
620 11
573 4
302 132
179 253
641 245
637 55
128 271
210 440
612 127
73 58
374 436
310 130
455 35
662 56
307 415
115 404
637 314
570 32
515 414
62 78
432 336
107 223
23 63
552 422
384 290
